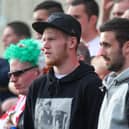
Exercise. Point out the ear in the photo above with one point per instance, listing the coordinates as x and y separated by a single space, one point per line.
126 48
93 20
72 42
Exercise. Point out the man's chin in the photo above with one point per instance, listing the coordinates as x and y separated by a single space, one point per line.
49 63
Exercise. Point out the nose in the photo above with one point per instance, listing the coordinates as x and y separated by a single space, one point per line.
101 51
13 78
45 45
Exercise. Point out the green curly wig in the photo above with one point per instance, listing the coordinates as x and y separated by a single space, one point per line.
27 50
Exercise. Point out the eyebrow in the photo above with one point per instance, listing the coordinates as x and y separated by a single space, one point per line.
104 44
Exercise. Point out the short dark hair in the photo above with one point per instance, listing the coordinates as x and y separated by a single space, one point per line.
91 6
50 6
120 27
20 28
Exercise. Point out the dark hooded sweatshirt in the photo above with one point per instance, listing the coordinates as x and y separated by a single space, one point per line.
73 102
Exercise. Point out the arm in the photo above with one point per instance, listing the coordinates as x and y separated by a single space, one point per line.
93 99
105 9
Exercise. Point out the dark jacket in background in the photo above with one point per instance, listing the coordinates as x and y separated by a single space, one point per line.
4 80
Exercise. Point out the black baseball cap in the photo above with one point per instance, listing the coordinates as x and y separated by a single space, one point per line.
61 21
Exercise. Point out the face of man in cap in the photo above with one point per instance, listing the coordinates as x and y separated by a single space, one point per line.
60 38
55 46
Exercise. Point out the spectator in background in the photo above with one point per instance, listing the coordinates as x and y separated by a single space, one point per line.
24 68
126 14
7 98
87 12
83 53
14 32
43 10
119 8
4 79
114 41
111 9
99 64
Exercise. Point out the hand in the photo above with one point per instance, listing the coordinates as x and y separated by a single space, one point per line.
8 122
7 125
105 9
107 5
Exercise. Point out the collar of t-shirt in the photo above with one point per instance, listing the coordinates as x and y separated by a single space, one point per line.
59 76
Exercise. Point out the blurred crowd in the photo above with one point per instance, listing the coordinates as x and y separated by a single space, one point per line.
73 73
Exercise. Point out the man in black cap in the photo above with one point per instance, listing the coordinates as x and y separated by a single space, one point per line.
72 86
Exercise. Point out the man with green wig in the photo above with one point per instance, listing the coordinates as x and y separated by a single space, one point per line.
24 63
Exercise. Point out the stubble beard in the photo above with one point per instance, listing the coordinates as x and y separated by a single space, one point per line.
57 61
117 64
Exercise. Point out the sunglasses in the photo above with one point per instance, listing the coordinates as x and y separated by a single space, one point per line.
20 72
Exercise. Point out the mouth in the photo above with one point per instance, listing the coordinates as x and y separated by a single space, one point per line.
106 58
18 87
47 54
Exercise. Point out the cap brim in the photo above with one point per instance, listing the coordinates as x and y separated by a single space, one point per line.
41 26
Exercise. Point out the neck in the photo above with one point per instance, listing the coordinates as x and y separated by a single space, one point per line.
126 66
66 67
90 35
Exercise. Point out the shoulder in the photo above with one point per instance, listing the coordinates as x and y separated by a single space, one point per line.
92 80
89 75
38 83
